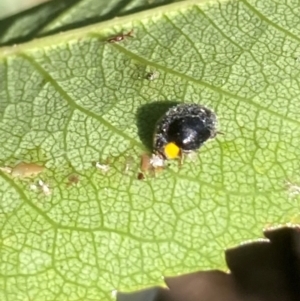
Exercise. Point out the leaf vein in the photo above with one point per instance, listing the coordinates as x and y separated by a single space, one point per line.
268 21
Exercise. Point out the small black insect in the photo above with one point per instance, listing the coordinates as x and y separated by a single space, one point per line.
184 128
121 37
152 75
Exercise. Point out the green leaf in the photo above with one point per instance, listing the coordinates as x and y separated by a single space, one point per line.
73 98
59 15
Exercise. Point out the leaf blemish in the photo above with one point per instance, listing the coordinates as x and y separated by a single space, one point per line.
292 188
145 162
73 180
40 186
102 167
152 75
6 169
145 166
25 170
150 165
44 188
140 176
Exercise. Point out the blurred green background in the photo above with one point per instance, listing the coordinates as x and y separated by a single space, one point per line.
10 7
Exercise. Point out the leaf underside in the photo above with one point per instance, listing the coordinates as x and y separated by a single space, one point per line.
266 270
71 99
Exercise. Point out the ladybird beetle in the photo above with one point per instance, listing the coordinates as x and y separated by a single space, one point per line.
184 128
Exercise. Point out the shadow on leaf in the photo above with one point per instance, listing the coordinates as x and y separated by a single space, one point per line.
266 270
7 23
147 117
117 10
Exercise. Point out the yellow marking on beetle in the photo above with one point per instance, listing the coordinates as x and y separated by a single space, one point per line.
172 151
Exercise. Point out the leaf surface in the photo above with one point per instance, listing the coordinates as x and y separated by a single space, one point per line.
70 99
